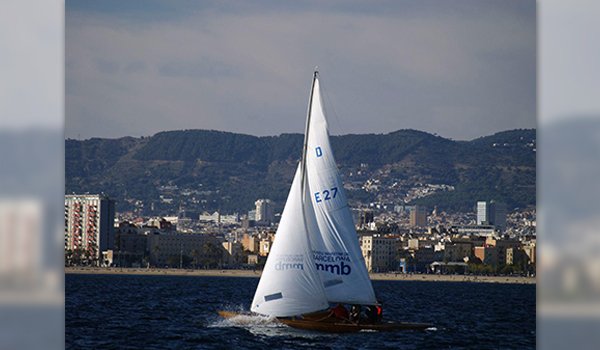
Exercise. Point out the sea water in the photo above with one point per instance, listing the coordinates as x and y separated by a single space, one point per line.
180 312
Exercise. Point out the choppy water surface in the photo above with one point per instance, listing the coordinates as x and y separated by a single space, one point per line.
179 312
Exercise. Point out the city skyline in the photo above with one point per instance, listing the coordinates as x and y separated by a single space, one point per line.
138 68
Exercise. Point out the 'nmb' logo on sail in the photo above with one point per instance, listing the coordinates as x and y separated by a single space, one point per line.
332 262
341 269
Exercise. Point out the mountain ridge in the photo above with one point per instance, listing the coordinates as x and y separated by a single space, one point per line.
246 167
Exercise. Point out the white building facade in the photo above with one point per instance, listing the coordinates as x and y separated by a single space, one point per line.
89 224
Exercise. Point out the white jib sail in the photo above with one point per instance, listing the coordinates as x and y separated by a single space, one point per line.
337 255
290 284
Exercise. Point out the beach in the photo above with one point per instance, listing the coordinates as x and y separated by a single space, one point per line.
257 273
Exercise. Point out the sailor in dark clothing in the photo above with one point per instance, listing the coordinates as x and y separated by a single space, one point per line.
371 314
355 313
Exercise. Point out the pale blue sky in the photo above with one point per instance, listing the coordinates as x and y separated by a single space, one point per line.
458 68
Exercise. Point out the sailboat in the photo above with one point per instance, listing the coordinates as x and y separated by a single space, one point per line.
315 260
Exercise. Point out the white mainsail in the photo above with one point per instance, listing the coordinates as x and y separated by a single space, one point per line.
290 284
337 255
315 258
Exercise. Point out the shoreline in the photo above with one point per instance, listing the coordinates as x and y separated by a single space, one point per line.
257 274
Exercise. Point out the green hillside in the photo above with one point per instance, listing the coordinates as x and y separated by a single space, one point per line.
214 170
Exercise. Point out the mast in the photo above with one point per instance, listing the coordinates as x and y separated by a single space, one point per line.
305 145
303 161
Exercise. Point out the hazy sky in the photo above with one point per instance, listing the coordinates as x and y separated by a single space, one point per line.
461 69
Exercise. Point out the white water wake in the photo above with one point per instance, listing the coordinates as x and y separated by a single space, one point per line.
250 321
262 326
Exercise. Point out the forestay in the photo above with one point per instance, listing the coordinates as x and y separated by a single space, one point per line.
337 256
290 284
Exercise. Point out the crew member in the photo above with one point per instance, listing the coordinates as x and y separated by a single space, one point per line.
371 314
339 311
379 312
355 313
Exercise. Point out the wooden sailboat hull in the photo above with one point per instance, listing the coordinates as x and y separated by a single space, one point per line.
346 327
230 314
316 322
